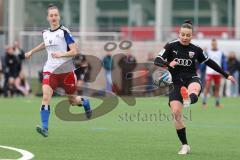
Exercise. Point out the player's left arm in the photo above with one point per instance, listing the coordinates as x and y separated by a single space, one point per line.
72 47
203 58
72 52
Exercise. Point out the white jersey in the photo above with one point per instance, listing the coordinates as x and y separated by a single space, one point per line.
216 56
58 40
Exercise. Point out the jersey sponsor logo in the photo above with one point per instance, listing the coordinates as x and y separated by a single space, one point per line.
183 62
162 52
191 54
175 52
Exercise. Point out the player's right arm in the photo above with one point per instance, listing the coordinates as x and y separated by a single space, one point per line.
38 48
161 59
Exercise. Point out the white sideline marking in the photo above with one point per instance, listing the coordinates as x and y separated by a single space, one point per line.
26 155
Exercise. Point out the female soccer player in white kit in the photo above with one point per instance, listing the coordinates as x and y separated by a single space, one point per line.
58 70
211 75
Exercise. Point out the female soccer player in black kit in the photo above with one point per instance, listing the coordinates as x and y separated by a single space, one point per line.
180 56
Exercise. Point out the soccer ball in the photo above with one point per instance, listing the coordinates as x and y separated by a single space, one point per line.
162 78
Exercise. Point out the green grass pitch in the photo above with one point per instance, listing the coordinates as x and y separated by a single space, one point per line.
126 133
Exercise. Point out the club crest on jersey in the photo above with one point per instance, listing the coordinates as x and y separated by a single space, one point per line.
191 54
50 41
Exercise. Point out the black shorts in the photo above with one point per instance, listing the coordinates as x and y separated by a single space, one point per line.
175 93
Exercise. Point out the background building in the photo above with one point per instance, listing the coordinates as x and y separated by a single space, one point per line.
159 17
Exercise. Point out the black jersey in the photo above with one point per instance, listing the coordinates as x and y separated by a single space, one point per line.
186 56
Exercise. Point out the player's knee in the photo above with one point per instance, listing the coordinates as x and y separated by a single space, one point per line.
176 113
178 118
196 90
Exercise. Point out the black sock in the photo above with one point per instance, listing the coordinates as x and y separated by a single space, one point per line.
193 98
182 136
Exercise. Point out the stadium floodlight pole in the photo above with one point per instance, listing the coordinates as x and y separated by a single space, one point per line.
67 13
237 19
11 20
230 17
196 14
1 15
15 18
159 20
83 19
214 13
129 19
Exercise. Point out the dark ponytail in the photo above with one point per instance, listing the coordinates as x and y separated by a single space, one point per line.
52 6
187 24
